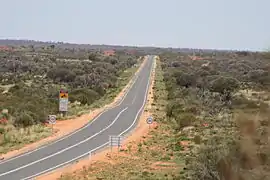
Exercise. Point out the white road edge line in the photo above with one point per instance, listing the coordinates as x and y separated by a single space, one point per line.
144 101
93 150
63 150
67 162
78 130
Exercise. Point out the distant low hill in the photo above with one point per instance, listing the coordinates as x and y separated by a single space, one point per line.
147 50
16 43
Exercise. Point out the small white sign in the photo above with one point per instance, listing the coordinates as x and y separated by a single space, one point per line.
116 140
52 119
63 105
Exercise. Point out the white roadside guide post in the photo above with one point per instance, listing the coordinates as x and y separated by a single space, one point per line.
90 155
149 121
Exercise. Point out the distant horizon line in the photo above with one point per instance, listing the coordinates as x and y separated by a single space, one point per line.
135 46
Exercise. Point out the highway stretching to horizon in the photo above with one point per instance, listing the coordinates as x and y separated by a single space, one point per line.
118 120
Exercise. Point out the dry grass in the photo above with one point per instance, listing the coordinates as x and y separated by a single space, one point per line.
253 155
14 138
239 152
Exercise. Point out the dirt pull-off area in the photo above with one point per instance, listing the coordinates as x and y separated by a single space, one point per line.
137 136
64 127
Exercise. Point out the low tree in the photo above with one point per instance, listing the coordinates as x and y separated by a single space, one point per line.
225 86
186 80
259 76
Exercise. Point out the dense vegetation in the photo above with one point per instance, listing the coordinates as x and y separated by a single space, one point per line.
220 103
212 122
32 77
211 107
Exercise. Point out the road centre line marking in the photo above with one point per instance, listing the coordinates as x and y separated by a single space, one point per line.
144 101
134 98
78 130
63 150
93 150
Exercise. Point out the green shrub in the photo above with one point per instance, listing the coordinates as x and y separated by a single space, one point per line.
84 96
7 138
173 109
2 130
197 139
24 119
184 120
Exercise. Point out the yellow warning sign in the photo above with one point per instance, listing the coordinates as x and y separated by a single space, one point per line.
63 95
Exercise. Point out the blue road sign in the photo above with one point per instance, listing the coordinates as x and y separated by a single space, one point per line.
149 120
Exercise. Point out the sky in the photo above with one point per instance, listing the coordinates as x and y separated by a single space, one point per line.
218 24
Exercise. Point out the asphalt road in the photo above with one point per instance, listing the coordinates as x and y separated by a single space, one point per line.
95 135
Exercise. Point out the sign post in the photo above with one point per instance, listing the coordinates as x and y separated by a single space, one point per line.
115 141
63 101
149 121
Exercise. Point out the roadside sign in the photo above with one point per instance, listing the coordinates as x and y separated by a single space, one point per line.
115 141
52 119
63 94
63 105
63 100
149 120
